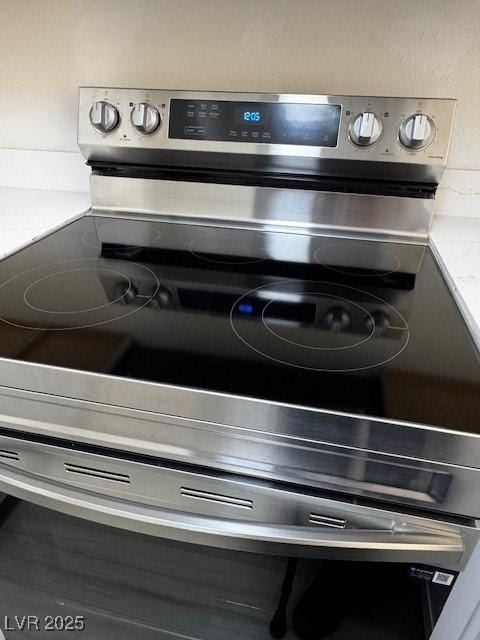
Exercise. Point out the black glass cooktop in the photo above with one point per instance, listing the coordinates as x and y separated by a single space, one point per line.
355 326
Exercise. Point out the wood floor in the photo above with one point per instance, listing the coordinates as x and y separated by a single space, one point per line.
134 587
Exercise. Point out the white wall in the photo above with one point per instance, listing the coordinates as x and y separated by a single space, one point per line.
399 47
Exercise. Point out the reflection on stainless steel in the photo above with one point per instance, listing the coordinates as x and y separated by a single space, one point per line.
256 245
263 439
308 211
274 520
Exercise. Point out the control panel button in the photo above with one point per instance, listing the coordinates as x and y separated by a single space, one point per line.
365 129
417 131
145 118
104 116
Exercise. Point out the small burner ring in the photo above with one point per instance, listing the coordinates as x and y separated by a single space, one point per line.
86 309
90 239
222 239
388 257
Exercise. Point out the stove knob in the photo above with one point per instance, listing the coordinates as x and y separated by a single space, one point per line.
417 131
378 323
336 319
104 116
164 296
145 118
125 294
365 129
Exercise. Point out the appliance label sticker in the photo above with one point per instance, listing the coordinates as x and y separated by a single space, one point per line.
430 574
443 578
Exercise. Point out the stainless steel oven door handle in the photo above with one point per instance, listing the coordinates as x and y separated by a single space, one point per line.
409 545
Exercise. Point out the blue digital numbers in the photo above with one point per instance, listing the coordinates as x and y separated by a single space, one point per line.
251 116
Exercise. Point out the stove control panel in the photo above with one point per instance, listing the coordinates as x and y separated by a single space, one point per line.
281 131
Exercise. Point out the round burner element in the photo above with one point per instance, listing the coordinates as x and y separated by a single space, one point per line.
223 247
359 257
77 294
319 326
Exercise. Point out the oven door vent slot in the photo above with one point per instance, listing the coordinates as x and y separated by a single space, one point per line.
97 473
9 455
196 494
327 521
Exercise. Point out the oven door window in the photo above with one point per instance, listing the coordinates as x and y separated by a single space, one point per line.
65 576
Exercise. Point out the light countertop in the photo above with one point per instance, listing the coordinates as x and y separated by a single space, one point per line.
28 213
457 241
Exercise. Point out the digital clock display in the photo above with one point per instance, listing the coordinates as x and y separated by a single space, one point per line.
296 123
250 114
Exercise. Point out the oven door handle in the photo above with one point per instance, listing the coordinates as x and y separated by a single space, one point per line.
409 544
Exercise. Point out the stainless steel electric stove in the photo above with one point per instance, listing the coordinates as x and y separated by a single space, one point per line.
248 342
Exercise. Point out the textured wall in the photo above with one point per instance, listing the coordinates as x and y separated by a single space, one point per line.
407 47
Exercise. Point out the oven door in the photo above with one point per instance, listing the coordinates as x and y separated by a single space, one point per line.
129 548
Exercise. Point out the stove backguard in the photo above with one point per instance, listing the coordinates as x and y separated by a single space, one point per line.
345 165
